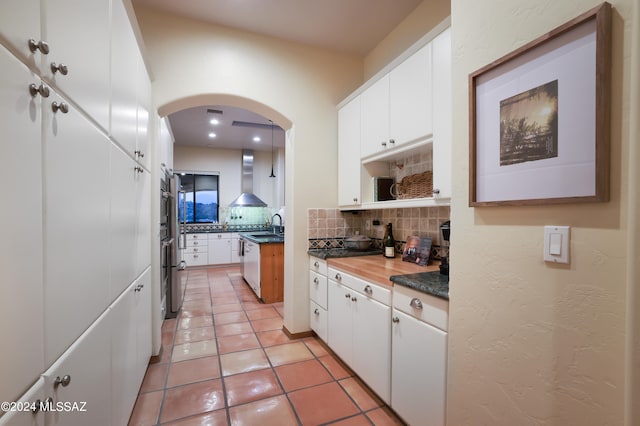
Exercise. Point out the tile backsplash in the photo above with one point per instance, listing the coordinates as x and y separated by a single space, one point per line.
327 224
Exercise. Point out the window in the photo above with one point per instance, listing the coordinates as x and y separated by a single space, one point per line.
200 198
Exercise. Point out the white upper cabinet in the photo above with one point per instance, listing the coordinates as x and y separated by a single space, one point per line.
375 118
78 33
442 121
349 154
411 99
20 22
21 228
124 66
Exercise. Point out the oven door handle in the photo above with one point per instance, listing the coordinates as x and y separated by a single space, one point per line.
166 244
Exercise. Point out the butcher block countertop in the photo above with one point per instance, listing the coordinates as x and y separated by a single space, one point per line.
378 269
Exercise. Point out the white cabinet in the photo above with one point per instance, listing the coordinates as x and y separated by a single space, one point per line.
34 399
397 108
319 298
142 241
195 253
252 266
19 22
349 154
235 248
87 367
21 256
442 112
419 354
220 248
131 346
80 41
359 328
375 117
76 226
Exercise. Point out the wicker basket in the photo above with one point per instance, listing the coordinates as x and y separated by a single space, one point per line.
419 185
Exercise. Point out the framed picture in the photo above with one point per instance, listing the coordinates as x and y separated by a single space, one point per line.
539 119
417 250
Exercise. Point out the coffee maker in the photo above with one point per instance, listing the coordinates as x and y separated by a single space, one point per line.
445 228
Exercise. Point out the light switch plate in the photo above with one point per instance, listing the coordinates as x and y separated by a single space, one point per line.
556 244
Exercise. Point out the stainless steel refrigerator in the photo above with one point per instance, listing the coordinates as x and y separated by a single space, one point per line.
178 276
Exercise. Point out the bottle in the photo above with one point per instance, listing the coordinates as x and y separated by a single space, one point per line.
385 238
390 244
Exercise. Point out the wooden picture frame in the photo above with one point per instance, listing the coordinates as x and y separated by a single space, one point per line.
540 118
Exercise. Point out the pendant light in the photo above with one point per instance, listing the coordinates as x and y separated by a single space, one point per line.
272 175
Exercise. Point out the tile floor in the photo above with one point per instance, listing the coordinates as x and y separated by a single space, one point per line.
226 361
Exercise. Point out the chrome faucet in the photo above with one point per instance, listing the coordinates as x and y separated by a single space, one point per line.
280 230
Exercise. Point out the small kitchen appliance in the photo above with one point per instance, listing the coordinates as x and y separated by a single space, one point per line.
445 228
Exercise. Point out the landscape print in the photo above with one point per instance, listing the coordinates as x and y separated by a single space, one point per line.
529 125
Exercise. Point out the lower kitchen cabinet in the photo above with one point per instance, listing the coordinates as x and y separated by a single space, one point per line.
219 248
359 330
419 358
264 270
27 409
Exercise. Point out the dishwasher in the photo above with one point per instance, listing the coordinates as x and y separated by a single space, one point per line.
251 266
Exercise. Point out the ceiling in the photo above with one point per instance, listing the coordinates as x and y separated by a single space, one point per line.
236 129
348 26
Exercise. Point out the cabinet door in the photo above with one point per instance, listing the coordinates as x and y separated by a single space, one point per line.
374 136
235 250
143 324
372 344
442 123
124 66
77 188
144 110
339 323
411 99
219 250
35 397
19 22
122 225
88 365
81 41
419 367
349 154
142 220
21 310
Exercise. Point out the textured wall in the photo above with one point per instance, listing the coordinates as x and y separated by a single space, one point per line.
532 343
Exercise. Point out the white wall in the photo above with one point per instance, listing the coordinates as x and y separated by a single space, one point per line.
532 343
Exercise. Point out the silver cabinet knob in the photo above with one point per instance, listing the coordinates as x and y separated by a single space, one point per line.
392 141
63 107
66 379
347 296
316 312
195 243
195 237
195 256
436 191
138 288
36 406
368 289
195 249
316 264
61 68
41 90
138 169
384 144
416 303
41 45
395 320
316 280
354 299
338 277
138 153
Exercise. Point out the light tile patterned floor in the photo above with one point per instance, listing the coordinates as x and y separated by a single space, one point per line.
226 361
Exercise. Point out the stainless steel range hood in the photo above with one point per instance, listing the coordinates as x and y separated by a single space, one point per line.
247 198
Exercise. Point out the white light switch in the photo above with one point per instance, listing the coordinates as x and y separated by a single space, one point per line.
556 244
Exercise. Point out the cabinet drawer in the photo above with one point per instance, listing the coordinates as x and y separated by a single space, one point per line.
318 288
220 236
196 249
197 243
376 292
427 308
318 320
196 259
196 237
318 265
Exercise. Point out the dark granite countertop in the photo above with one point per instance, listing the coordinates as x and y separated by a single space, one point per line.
433 283
341 252
209 228
262 237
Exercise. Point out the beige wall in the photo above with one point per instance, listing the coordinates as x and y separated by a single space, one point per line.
532 343
197 63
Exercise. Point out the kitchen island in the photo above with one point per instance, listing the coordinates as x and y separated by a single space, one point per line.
263 265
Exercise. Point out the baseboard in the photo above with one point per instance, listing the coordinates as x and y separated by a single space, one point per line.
297 335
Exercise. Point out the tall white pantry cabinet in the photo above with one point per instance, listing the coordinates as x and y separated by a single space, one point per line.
75 263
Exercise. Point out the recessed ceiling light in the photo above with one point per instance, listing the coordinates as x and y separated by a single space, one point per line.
212 135
256 139
214 121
